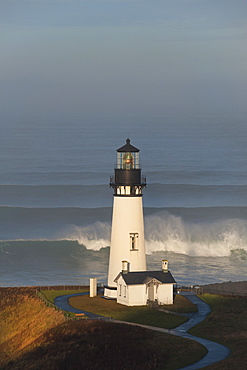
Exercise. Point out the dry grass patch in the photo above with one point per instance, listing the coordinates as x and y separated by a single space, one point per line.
23 320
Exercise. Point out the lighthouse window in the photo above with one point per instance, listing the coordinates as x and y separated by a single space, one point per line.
128 161
134 241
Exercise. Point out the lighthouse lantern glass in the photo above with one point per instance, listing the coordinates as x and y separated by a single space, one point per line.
127 160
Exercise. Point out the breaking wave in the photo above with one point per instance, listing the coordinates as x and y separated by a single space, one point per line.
95 236
217 239
170 233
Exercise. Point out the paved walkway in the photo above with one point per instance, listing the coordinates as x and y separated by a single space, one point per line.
62 302
216 351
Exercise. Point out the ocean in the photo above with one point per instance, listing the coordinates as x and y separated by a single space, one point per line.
56 204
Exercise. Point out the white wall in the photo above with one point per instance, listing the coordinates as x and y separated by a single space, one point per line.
110 293
165 294
137 295
122 292
127 217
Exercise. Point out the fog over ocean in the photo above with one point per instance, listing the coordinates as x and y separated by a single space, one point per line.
55 201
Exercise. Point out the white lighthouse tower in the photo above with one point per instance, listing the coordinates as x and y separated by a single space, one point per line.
127 235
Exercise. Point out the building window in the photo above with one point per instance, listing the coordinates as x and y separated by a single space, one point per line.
134 241
125 288
120 289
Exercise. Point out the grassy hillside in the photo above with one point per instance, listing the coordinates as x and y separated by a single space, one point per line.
34 336
226 324
24 319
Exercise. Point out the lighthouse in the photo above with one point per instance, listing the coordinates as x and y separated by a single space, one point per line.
127 234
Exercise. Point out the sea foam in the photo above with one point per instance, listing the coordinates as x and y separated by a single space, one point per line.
217 239
170 233
95 236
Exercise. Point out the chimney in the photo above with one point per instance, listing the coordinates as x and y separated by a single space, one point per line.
125 267
165 265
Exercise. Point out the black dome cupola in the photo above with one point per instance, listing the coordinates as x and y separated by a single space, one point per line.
127 180
128 148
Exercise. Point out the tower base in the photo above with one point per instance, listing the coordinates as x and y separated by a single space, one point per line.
110 292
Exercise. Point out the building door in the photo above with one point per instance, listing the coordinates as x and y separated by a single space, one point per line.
151 291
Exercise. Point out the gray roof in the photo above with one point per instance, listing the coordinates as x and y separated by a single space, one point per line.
128 147
142 277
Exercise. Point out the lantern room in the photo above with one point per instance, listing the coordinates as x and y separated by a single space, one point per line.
128 157
127 178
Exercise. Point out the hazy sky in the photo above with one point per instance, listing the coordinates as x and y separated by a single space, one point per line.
123 58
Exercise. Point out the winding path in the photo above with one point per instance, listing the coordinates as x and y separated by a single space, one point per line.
216 351
62 302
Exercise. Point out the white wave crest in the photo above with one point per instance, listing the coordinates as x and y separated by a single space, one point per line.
169 233
217 239
95 236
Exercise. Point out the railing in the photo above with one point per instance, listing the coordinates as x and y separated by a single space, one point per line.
226 293
48 303
204 289
68 315
62 287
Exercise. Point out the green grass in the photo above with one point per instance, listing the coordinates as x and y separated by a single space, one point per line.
181 305
52 294
34 336
226 324
137 314
140 315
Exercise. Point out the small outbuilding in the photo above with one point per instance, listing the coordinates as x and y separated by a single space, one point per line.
137 288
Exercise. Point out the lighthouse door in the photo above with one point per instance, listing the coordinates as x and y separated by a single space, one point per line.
151 291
